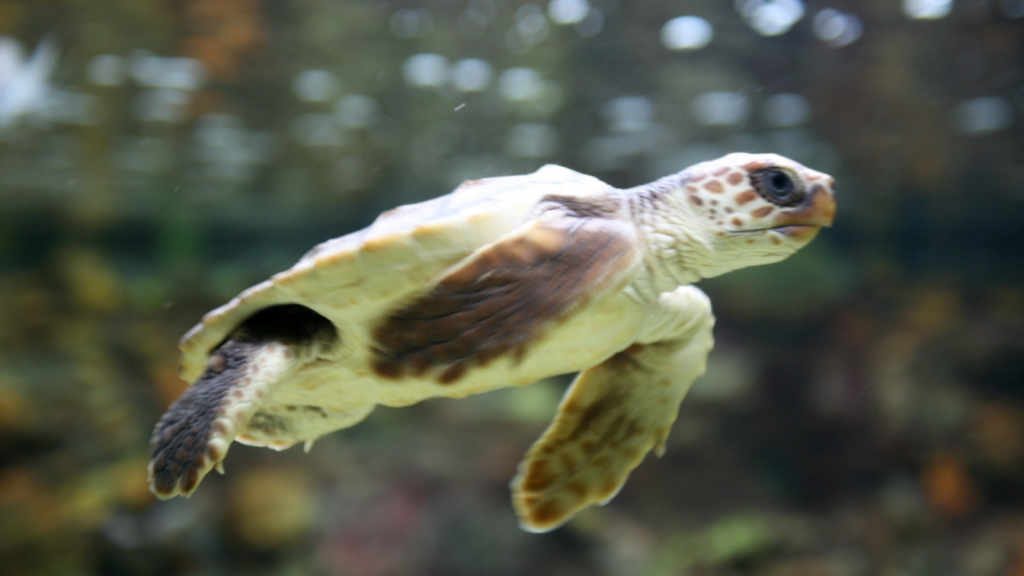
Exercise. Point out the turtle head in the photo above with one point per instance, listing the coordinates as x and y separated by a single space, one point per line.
750 209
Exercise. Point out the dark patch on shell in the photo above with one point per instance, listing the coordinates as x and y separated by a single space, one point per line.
593 207
499 302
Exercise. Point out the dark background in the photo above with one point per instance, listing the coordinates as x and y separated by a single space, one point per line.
863 412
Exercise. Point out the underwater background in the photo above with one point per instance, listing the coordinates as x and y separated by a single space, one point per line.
863 411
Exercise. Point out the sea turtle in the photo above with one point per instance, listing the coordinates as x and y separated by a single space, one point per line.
500 283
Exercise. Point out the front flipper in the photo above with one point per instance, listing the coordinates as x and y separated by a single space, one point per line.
613 415
194 435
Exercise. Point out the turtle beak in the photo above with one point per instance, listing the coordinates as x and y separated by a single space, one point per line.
819 209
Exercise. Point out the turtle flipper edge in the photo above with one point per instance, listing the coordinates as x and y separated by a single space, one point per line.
612 416
194 435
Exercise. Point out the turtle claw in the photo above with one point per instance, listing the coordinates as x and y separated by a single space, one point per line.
183 456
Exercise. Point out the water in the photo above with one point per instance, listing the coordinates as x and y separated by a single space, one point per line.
863 410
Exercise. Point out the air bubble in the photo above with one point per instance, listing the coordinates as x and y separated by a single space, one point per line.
315 85
415 23
721 108
532 140
927 9
471 75
776 17
786 110
836 28
568 11
356 111
425 70
629 113
984 115
520 84
686 33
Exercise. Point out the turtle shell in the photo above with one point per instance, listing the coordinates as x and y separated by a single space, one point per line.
352 280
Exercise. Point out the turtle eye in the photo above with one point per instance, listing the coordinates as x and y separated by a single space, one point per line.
777 186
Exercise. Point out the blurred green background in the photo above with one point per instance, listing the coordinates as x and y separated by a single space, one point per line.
863 412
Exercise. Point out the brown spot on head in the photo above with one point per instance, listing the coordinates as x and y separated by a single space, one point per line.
720 171
698 177
714 186
776 240
753 165
745 197
737 222
734 178
691 189
714 202
762 211
728 210
697 200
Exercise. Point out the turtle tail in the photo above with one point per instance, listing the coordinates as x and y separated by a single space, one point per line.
194 435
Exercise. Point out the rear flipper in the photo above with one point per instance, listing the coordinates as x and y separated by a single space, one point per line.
194 435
